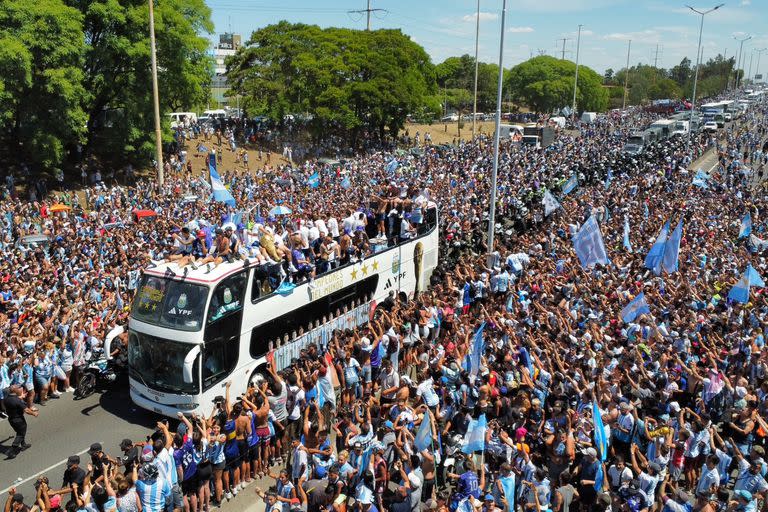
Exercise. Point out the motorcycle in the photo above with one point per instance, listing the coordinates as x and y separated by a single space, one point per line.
99 372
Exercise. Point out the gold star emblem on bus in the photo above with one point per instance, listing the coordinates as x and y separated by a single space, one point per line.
375 265
354 273
364 268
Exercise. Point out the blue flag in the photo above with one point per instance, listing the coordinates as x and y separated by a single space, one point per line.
637 307
571 184
589 246
672 249
508 486
746 226
345 183
392 165
608 179
423 439
599 477
477 350
314 180
474 439
754 277
740 291
627 244
601 441
655 256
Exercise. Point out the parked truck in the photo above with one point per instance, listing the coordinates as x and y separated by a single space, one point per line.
538 136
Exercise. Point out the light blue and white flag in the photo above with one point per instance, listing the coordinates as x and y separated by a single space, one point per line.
392 165
746 226
672 249
608 179
314 180
477 350
626 242
345 183
655 256
508 486
754 277
740 291
550 203
700 180
589 246
423 439
220 192
601 440
474 439
637 307
571 184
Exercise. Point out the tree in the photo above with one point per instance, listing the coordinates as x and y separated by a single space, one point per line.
608 76
682 72
349 80
117 70
545 83
41 93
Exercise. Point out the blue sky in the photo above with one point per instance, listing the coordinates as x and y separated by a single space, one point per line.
447 27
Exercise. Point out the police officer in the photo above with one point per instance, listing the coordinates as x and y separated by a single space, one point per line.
16 408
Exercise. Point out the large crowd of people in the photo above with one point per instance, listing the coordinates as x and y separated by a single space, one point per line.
422 418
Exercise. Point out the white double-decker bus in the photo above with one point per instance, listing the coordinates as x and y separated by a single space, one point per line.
189 335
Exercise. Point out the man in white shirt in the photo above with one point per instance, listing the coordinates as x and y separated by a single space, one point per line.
333 228
709 480
619 474
163 451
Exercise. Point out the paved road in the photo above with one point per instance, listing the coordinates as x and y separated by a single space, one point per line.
67 426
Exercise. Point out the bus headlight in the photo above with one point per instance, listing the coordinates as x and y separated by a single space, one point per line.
186 407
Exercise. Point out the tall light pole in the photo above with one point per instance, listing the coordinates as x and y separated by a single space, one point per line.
749 73
738 66
696 75
156 96
626 77
494 173
477 47
576 77
759 53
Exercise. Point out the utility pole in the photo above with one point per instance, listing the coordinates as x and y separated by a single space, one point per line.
367 12
626 75
156 97
656 57
477 48
576 78
494 172
749 74
738 66
563 50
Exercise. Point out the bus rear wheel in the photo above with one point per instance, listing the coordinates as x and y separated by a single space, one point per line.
258 376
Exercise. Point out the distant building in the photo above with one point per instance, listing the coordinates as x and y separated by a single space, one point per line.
228 45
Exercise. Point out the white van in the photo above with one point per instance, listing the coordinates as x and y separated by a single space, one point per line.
215 114
182 118
510 131
588 117
558 121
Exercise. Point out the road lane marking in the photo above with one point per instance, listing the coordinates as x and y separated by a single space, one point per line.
42 472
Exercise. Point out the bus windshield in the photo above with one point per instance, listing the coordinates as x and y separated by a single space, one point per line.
159 363
168 303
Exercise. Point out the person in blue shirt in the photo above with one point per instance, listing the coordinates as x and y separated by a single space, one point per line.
468 483
154 492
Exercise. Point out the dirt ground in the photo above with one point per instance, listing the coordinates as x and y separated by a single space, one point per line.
445 133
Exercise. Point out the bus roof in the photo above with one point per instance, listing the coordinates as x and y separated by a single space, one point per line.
201 275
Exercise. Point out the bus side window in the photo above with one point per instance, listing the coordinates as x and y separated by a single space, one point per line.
227 297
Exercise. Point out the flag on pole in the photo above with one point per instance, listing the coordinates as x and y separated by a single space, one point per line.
550 203
655 256
589 246
525 357
601 440
423 439
754 277
746 226
627 244
637 307
599 477
474 439
672 249
220 192
477 350
571 184
365 461
740 291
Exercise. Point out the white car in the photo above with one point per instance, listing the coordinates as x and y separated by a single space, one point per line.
728 117
450 118
710 126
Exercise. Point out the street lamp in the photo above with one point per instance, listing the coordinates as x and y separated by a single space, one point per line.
156 97
757 69
738 66
698 63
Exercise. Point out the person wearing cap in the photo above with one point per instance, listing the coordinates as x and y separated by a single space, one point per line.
743 501
587 474
750 477
74 476
647 480
15 502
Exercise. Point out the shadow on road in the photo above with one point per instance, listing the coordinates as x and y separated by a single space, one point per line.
117 401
